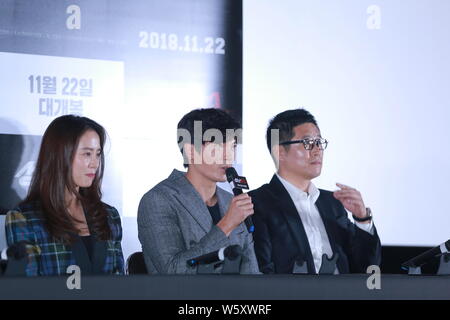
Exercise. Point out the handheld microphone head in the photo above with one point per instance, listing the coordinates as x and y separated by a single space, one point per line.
231 174
17 259
233 252
238 183
17 251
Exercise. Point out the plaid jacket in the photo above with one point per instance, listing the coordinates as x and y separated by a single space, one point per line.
49 258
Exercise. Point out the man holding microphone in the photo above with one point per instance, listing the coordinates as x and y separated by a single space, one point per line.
187 215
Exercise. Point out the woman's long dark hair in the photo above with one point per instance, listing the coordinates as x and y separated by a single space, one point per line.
53 176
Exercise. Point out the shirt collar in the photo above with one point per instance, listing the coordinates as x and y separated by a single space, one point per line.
298 194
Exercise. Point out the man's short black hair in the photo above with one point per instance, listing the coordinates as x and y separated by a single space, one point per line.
210 118
285 123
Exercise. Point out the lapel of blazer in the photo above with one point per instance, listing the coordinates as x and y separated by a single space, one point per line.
289 211
81 256
223 200
325 211
190 199
100 247
99 257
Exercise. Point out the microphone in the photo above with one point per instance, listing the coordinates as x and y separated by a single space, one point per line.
3 261
17 251
14 259
427 255
231 253
238 183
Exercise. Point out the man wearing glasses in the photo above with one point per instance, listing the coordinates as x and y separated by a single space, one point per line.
298 225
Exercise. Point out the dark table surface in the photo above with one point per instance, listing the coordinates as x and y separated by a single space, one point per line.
228 287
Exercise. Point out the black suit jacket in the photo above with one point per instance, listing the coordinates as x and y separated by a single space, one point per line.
280 238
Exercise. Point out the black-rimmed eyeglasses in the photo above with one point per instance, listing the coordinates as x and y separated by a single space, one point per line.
309 143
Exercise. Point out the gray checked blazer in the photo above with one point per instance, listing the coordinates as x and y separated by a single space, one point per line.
174 225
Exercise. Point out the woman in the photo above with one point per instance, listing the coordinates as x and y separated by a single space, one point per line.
63 220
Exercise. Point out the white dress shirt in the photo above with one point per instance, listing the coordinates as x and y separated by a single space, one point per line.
312 221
